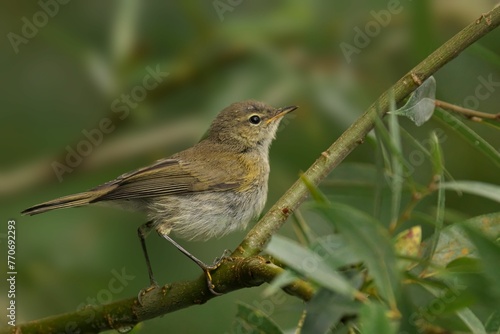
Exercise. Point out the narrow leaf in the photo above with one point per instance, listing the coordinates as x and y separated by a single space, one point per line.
325 310
310 264
124 29
472 321
374 319
436 156
285 278
493 323
335 250
316 194
369 240
397 170
469 135
465 314
396 153
485 190
253 320
423 150
489 252
437 163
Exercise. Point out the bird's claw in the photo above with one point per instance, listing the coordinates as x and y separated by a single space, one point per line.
210 285
207 269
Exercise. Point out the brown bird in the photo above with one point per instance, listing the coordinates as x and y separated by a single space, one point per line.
215 187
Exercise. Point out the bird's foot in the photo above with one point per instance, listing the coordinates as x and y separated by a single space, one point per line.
207 269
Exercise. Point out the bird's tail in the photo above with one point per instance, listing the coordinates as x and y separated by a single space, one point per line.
62 202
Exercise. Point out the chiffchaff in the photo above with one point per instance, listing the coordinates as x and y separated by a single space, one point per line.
215 187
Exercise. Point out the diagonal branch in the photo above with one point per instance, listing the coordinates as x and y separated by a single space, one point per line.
246 269
261 233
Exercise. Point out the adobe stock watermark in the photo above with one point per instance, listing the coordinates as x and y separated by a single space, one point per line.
223 6
267 306
363 37
120 106
119 281
429 313
31 26
483 91
285 121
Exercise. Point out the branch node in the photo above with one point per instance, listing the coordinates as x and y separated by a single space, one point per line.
486 17
415 78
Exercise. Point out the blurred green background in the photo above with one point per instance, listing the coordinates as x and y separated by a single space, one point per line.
62 78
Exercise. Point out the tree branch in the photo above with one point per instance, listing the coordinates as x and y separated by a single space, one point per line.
261 233
246 269
469 113
233 274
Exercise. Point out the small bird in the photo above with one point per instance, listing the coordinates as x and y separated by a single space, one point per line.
208 190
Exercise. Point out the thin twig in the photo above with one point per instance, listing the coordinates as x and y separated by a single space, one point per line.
469 113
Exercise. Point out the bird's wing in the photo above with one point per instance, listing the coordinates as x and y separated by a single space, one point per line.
165 177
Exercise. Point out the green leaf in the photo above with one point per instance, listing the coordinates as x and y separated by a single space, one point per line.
492 123
334 249
302 229
472 321
493 323
465 314
395 149
370 241
283 279
421 103
469 135
436 156
470 285
124 29
397 170
316 194
437 163
464 265
489 252
485 190
254 321
422 149
325 310
454 242
374 319
310 264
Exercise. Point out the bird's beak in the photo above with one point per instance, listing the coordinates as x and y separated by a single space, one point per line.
281 112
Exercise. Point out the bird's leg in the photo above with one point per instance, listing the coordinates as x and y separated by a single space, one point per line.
143 231
206 268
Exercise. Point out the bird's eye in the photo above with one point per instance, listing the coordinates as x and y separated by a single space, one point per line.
254 119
